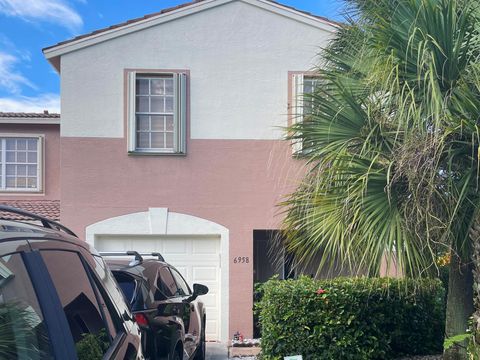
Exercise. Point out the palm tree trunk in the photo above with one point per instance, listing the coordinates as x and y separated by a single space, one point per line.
459 304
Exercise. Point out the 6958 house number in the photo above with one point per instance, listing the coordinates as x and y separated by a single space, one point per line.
241 260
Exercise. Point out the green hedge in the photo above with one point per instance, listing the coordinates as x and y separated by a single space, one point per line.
349 318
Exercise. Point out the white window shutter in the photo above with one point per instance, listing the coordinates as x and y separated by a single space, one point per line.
297 108
131 111
180 83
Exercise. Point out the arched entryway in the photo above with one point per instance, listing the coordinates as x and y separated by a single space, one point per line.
197 247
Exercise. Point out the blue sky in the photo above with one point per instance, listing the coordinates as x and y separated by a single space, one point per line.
28 82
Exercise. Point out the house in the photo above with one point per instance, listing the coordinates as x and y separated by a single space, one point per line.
30 163
172 139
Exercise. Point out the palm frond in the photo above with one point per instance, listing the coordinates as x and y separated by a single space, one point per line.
393 139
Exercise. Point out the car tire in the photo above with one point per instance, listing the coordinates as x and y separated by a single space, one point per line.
200 353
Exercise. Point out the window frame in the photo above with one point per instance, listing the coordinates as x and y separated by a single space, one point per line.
295 106
40 163
180 113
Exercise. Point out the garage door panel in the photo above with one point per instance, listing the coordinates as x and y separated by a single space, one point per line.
210 300
205 246
211 330
196 258
206 273
143 245
106 246
175 248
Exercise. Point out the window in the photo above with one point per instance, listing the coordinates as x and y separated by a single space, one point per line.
20 160
157 113
109 283
165 284
303 87
91 321
24 334
183 289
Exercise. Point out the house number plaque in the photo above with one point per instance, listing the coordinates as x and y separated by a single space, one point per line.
241 260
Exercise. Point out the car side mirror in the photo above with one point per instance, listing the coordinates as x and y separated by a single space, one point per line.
199 289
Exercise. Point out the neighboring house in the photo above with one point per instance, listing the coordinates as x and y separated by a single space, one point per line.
171 139
30 163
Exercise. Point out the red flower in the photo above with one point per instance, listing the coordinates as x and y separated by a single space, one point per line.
321 291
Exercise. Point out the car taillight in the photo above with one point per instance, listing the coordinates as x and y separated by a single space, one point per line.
141 319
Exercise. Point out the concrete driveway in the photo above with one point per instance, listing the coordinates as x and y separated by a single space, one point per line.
216 351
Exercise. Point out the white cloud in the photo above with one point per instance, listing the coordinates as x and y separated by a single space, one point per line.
10 79
54 11
38 104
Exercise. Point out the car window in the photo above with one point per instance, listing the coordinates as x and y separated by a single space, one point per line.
166 283
111 286
23 334
87 314
183 289
127 284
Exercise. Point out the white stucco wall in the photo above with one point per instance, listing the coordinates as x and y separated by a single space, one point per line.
238 55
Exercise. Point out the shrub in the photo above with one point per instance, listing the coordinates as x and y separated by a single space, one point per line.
351 318
93 346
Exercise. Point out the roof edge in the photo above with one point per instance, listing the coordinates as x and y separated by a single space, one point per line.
27 120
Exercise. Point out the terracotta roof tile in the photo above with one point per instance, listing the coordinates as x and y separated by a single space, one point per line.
167 10
46 208
43 115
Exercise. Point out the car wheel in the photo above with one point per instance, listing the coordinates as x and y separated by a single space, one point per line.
200 354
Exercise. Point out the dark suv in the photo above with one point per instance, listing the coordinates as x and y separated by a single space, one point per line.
171 317
58 299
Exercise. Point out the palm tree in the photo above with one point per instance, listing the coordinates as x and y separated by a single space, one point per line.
392 143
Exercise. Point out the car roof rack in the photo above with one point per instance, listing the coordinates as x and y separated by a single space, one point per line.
138 256
47 223
158 255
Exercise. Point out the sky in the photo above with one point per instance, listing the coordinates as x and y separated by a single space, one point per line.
28 83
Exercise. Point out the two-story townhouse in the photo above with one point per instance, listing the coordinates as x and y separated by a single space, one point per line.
30 163
172 139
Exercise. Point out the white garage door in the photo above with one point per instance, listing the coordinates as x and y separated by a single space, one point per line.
196 257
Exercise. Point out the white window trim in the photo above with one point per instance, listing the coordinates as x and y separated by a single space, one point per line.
180 113
297 108
40 163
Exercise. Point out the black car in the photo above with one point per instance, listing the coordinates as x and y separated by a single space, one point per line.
58 299
170 315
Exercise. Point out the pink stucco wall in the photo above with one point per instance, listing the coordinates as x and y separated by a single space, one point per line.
51 173
236 183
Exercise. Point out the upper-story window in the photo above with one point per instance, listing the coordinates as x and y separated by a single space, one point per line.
302 106
309 85
20 163
157 113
